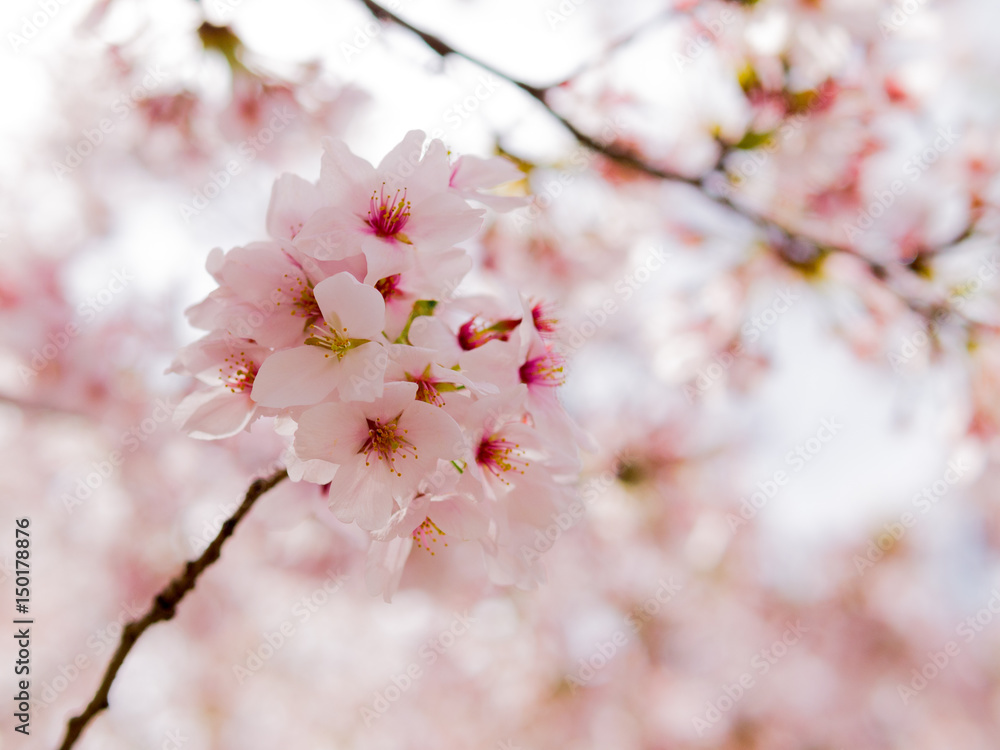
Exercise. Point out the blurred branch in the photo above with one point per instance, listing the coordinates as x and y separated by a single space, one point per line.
36 406
612 47
610 150
782 238
164 606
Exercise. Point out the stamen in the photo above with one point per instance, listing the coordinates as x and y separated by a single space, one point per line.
472 336
387 443
388 216
303 301
389 287
238 372
545 320
427 529
427 387
499 456
546 370
336 341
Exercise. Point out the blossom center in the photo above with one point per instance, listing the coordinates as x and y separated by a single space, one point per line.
303 300
472 335
388 215
546 370
338 342
499 456
427 531
387 442
238 372
428 388
544 319
389 287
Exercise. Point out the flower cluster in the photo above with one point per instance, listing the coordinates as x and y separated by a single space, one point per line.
426 415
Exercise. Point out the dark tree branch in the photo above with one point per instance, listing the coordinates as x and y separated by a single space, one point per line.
164 606
783 236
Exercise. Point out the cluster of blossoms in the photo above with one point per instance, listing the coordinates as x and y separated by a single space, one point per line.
423 414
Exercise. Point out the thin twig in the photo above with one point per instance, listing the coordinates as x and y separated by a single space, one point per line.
164 607
627 158
539 93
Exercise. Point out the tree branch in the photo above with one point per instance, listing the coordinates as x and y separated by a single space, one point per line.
783 236
164 606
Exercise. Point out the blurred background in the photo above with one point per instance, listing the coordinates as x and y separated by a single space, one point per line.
769 230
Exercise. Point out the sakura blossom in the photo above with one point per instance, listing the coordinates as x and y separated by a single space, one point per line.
375 418
598 375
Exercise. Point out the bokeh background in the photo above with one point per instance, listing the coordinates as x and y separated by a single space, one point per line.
776 277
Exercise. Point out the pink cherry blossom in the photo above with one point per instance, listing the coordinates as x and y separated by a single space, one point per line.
386 212
384 451
343 352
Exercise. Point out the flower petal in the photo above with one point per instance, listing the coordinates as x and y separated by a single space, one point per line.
362 372
332 432
293 200
359 308
215 413
301 376
360 493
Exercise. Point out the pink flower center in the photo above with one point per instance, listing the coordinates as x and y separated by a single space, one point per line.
389 287
472 336
388 216
238 372
427 390
386 441
427 531
546 370
499 456
544 319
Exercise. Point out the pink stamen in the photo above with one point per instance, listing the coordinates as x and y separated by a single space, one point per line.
388 217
